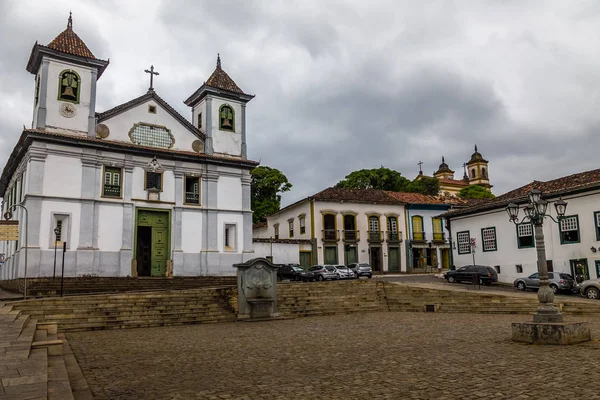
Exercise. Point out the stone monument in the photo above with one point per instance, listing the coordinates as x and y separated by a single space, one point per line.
257 289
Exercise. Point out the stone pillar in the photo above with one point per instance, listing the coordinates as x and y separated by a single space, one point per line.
247 212
177 228
210 250
126 252
244 146
208 144
41 114
92 114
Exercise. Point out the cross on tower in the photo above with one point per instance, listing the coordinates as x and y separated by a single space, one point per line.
152 73
420 163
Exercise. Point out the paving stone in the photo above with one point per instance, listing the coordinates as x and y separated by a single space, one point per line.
389 355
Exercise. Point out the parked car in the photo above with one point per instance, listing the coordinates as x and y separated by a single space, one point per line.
361 269
487 275
294 272
333 271
590 288
321 273
558 281
345 272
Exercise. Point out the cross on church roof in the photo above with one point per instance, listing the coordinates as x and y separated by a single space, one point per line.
152 73
420 163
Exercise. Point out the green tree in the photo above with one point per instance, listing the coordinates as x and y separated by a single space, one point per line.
376 178
475 192
426 185
266 188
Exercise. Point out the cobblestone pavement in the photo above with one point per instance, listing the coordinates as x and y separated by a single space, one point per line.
360 356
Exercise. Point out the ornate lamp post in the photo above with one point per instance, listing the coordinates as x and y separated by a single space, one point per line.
535 211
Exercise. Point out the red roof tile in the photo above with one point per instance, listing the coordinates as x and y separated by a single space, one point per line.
220 80
68 42
342 195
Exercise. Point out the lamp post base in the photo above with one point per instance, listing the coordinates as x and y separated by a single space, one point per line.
547 313
559 333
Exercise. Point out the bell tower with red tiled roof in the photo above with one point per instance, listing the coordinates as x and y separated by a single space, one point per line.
65 72
219 111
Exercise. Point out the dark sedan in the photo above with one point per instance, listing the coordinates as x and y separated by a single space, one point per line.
294 272
485 275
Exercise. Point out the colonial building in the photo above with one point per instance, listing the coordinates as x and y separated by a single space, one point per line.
343 226
475 173
572 244
134 190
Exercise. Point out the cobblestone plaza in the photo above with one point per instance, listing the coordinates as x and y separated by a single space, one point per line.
358 356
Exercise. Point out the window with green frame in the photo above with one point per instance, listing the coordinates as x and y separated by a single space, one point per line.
112 182
463 240
525 235
69 84
226 118
569 229
597 224
488 239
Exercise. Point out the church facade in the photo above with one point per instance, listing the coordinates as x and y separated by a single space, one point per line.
137 190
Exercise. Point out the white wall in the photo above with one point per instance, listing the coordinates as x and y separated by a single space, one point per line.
282 218
191 231
229 193
282 253
79 122
110 227
121 124
62 176
230 218
509 255
73 209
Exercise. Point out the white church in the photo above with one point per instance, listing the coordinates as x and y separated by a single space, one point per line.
136 190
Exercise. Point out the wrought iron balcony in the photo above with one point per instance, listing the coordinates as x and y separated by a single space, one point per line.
375 236
394 237
192 198
439 237
112 190
351 235
330 235
418 236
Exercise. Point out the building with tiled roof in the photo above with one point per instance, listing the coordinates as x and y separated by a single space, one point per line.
572 244
135 190
391 231
475 173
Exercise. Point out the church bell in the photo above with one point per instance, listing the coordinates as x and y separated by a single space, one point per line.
68 91
226 123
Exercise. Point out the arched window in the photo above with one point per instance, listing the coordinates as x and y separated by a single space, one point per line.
226 118
473 173
483 173
69 84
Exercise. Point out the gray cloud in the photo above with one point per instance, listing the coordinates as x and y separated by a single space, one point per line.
345 85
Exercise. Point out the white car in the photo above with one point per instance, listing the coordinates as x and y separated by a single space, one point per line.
345 272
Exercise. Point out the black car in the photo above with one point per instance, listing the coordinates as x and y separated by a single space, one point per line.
294 272
487 275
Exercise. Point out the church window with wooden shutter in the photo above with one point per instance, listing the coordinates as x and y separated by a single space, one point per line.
69 84
112 182
488 238
463 240
276 231
302 225
291 227
417 225
192 190
226 118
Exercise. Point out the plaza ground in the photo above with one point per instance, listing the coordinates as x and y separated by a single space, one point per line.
359 356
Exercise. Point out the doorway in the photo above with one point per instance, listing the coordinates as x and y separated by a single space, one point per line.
305 259
446 258
579 270
152 242
375 258
394 259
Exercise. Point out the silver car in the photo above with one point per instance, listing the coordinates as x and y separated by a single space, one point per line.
590 288
345 272
333 271
558 281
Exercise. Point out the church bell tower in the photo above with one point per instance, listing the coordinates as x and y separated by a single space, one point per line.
477 170
65 72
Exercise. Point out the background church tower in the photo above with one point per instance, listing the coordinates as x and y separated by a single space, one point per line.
219 111
477 170
444 171
65 72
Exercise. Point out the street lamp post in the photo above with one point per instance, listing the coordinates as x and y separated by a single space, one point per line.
535 212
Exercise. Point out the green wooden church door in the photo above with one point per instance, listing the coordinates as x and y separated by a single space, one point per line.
158 221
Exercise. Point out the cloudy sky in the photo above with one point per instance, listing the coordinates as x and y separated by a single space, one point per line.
346 85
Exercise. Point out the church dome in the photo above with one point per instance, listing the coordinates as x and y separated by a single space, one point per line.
476 157
444 167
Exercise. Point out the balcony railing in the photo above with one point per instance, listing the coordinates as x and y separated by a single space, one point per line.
192 198
418 236
112 190
375 236
394 237
439 237
351 236
330 235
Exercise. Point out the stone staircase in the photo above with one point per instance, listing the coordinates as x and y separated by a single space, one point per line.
85 285
36 362
133 310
